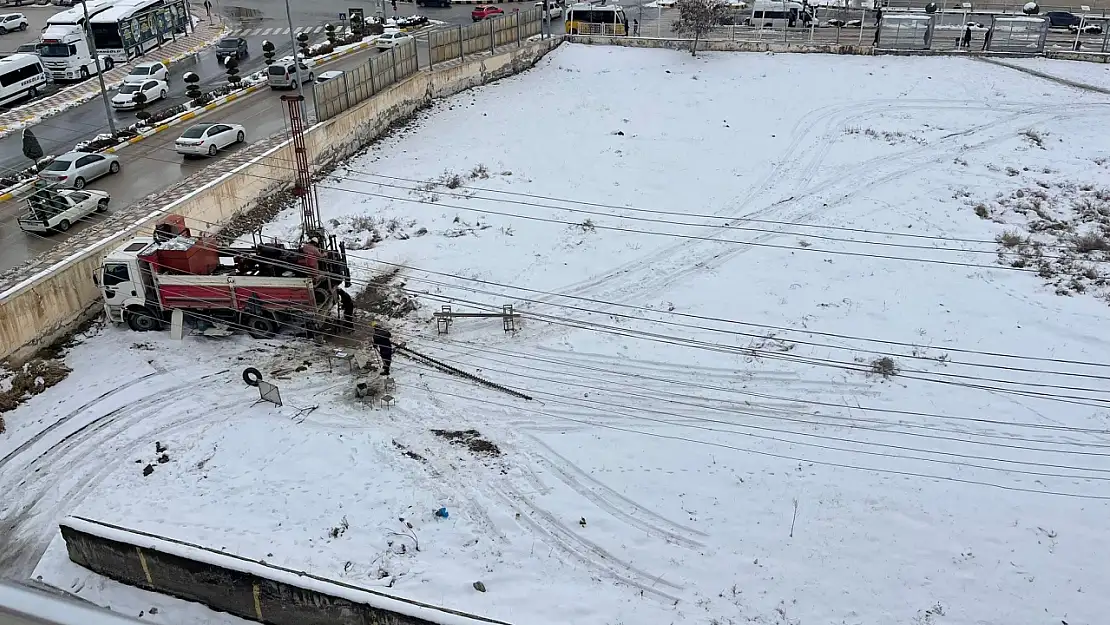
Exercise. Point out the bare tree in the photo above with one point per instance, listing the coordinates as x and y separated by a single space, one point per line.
696 17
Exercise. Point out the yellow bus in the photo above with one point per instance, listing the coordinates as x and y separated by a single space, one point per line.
589 19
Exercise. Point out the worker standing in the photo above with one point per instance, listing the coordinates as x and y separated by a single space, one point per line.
383 340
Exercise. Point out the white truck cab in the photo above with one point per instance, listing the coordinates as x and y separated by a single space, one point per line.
121 280
64 51
55 211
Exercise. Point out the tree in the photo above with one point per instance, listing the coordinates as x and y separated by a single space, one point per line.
31 147
192 89
268 51
232 68
329 32
356 25
302 42
140 103
696 17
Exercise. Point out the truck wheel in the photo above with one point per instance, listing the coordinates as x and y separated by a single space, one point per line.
84 73
63 225
102 205
142 321
261 327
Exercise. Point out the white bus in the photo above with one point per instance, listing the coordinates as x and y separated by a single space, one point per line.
113 35
65 48
21 75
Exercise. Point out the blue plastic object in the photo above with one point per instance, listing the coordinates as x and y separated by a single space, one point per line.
442 513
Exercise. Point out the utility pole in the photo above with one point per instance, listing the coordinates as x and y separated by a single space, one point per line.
296 59
99 70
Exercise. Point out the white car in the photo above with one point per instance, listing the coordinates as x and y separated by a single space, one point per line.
150 70
12 21
556 10
208 139
329 75
392 40
152 89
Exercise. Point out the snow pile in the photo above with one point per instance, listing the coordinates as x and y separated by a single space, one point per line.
781 373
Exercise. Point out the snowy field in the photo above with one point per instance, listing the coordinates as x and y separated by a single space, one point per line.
782 370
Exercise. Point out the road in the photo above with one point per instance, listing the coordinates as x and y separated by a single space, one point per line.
36 16
152 165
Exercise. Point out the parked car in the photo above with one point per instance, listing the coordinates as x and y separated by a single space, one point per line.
556 10
326 76
392 40
150 70
153 90
1088 29
231 48
12 21
434 3
283 74
485 11
28 48
1062 19
49 210
73 170
208 139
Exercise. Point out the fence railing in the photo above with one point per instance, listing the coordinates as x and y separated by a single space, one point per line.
357 85
446 45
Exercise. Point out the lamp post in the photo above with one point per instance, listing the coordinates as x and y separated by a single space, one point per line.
99 70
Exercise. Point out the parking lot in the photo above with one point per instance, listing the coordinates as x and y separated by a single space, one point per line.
36 18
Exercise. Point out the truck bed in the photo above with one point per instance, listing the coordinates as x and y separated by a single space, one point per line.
234 292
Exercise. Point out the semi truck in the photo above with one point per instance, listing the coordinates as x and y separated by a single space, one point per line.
263 288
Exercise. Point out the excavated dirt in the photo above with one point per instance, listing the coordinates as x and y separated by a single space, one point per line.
471 439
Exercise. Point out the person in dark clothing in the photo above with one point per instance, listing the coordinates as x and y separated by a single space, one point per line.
987 39
383 340
878 17
967 37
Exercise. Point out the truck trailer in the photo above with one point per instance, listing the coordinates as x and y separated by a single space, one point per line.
263 288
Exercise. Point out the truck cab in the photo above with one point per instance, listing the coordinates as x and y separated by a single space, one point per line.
65 54
121 280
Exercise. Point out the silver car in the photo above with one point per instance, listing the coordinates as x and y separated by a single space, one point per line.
73 170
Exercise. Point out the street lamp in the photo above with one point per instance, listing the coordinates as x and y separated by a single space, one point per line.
99 70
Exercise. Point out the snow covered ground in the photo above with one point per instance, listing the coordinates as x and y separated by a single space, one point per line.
1094 74
781 372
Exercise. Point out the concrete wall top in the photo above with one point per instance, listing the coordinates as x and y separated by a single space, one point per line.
299 579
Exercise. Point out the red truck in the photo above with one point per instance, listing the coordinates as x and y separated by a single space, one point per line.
262 288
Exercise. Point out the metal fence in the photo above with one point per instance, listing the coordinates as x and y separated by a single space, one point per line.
972 32
484 36
334 96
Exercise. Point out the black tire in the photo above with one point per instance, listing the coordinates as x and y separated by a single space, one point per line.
261 327
3 31
78 183
102 205
241 137
113 168
252 376
163 95
212 150
33 92
63 225
109 63
84 73
142 321
22 27
293 86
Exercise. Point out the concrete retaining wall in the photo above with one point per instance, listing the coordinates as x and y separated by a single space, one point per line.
48 305
246 588
721 45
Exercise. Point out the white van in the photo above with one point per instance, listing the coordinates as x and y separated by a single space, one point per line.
21 76
283 74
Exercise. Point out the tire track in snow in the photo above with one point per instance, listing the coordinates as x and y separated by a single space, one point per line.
614 503
62 421
82 456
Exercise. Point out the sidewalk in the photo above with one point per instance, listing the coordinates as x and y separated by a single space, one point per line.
20 117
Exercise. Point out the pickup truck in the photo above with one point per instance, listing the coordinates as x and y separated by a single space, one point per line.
49 210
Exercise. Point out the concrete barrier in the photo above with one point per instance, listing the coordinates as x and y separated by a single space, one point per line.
247 588
47 305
